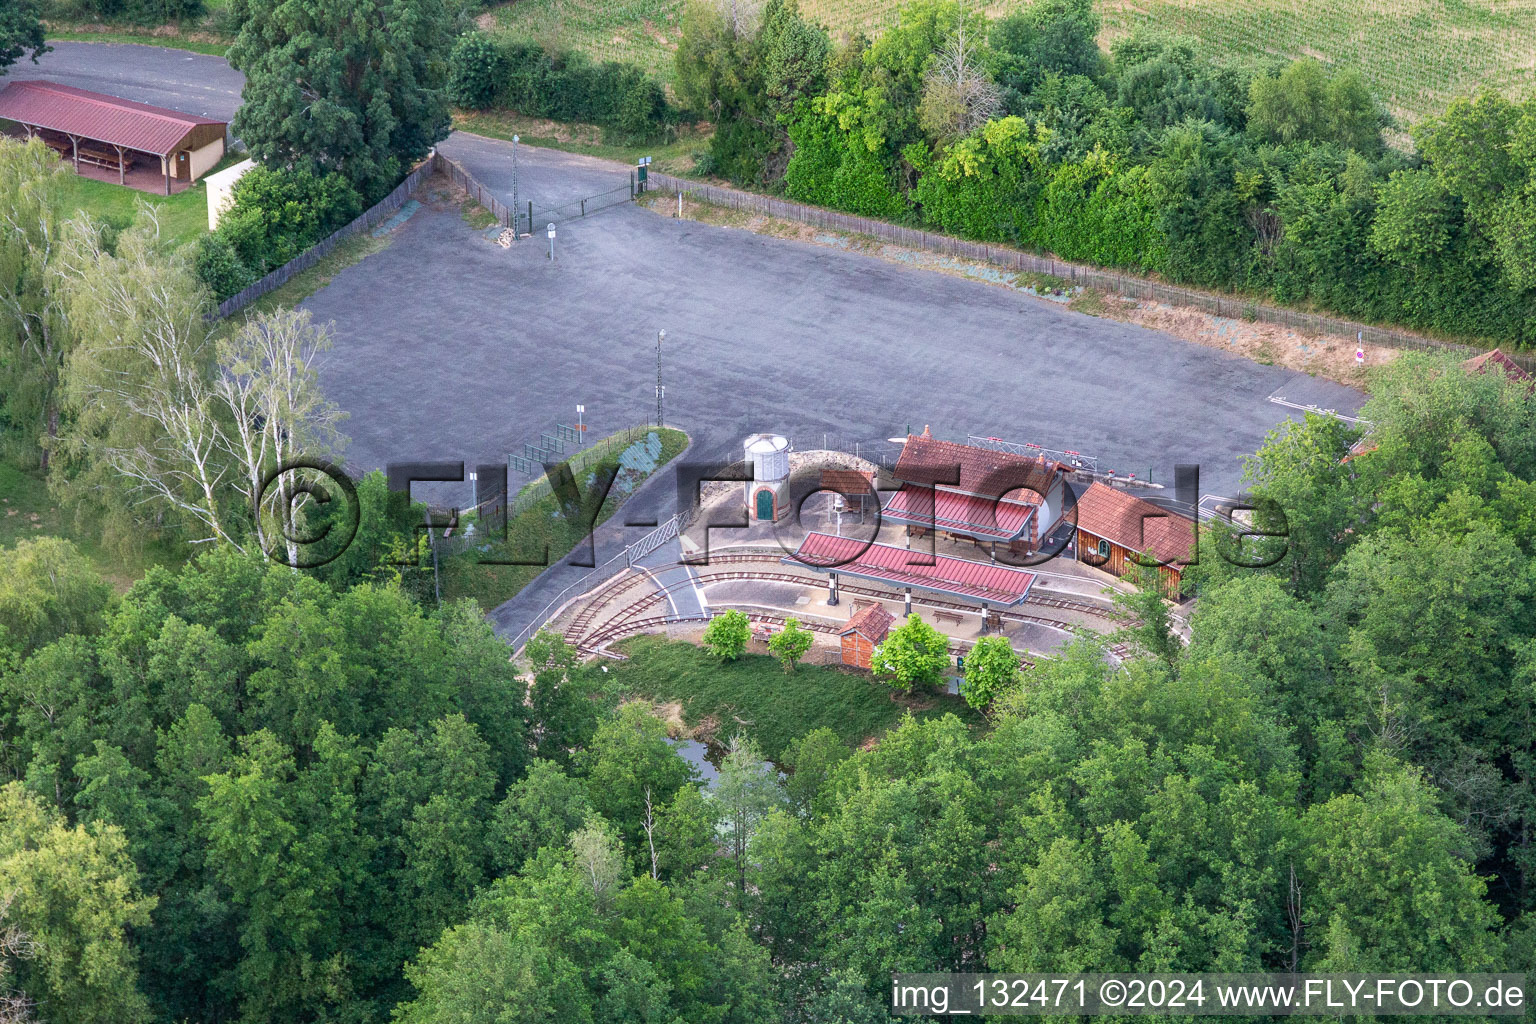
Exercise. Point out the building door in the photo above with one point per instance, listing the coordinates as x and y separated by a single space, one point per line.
183 166
765 505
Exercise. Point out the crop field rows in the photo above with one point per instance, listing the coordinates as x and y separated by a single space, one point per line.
1418 54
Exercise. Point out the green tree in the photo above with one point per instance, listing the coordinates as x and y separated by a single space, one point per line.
913 656
991 669
562 712
748 790
628 763
811 761
20 30
48 590
369 99
75 893
790 643
35 339
1146 620
727 634
1306 103
541 810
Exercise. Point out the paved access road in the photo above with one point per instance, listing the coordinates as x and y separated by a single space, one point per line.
192 83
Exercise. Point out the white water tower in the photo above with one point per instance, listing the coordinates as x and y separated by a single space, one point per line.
767 493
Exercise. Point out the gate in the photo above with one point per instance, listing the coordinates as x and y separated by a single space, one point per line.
653 540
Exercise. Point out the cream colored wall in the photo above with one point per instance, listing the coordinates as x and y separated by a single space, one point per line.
221 191
206 158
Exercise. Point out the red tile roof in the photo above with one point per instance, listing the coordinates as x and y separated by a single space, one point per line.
855 485
874 622
96 116
960 577
1134 524
939 508
925 460
1497 358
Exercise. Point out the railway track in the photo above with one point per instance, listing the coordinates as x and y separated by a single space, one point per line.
624 622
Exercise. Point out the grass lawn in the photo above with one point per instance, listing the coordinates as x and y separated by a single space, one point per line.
675 157
28 510
755 695
183 216
541 524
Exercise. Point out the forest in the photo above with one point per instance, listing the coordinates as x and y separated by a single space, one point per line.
245 793
1264 176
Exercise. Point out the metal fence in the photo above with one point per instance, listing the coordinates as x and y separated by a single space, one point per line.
370 218
522 220
579 463
1234 306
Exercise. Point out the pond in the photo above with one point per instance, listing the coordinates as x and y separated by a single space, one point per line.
703 758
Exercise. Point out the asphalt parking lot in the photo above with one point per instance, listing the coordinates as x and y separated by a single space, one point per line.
451 347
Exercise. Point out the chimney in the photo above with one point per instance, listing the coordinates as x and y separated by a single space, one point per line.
926 432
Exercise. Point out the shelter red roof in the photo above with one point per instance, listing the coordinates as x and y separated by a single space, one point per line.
96 116
1134 524
1499 359
985 471
940 508
874 622
960 577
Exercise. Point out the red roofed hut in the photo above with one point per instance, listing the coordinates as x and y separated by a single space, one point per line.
866 630
1112 526
96 130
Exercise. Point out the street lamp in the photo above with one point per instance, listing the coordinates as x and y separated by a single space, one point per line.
551 241
514 190
661 391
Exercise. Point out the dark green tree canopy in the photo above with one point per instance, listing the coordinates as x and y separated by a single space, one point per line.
356 88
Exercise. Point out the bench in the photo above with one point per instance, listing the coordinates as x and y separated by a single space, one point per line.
955 617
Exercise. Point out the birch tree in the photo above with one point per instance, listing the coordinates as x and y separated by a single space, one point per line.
140 378
277 414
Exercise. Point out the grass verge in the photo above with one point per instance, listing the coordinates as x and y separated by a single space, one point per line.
194 41
543 526
756 696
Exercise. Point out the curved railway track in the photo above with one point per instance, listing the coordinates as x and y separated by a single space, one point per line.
625 622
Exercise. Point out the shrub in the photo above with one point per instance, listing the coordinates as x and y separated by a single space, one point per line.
476 68
914 655
220 267
790 644
564 86
278 213
727 634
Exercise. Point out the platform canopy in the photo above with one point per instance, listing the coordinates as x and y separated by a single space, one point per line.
956 577
957 512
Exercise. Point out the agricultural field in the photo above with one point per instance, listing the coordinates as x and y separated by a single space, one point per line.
1418 54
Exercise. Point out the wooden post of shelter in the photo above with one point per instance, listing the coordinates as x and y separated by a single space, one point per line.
74 142
166 163
121 171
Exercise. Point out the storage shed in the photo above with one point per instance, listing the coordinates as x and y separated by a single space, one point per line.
866 630
94 130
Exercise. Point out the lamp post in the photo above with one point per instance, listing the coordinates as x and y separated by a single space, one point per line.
551 242
514 190
661 391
